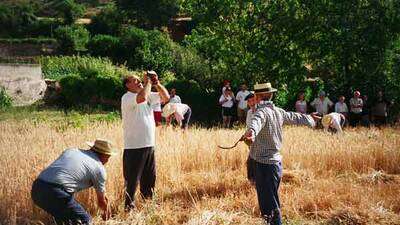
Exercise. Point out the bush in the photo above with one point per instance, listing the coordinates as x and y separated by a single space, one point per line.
5 100
15 18
72 39
106 46
108 21
204 104
85 80
70 10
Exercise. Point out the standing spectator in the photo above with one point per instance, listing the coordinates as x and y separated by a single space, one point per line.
251 105
380 110
226 84
334 122
322 104
155 105
226 101
301 104
181 113
356 105
242 104
139 135
341 107
265 137
173 97
366 112
73 171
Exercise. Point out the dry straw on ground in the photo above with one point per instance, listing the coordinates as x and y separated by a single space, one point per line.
349 179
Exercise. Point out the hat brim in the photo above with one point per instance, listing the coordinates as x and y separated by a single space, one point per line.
326 121
266 90
91 145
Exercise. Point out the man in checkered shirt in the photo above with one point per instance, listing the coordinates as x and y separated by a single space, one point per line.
264 134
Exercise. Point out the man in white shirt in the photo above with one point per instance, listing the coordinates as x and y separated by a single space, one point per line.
322 104
341 107
139 135
242 104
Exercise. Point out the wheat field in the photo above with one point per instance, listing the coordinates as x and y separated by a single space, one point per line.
328 179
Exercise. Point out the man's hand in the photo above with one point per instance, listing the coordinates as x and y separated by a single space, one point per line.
248 137
316 116
145 79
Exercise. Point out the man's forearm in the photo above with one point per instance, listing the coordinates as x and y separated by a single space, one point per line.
144 93
163 93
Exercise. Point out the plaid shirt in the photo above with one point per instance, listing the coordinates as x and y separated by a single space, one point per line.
267 125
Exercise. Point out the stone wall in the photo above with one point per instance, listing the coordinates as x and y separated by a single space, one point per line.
23 82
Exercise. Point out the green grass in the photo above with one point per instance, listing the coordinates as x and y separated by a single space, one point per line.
58 118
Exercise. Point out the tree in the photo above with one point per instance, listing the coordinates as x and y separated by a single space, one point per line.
149 14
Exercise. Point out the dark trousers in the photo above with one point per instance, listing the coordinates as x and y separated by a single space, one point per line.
53 199
268 178
251 170
139 167
355 119
186 119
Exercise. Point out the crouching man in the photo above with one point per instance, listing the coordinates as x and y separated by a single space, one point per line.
73 171
265 135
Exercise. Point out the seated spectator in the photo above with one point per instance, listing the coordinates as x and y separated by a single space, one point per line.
227 101
301 104
180 111
333 122
356 105
341 107
322 103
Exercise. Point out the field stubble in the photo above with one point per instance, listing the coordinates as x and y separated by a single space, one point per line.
348 179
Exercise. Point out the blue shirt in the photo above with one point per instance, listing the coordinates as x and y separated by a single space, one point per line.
76 170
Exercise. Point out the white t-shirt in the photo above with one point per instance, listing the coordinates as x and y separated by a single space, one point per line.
155 100
137 122
341 107
336 119
228 103
175 99
240 96
322 106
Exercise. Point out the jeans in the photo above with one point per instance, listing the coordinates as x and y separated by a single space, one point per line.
268 178
139 166
186 119
53 199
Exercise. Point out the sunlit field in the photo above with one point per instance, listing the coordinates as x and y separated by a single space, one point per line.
328 179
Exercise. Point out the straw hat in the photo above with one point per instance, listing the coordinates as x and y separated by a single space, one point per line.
326 120
168 110
264 88
102 146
